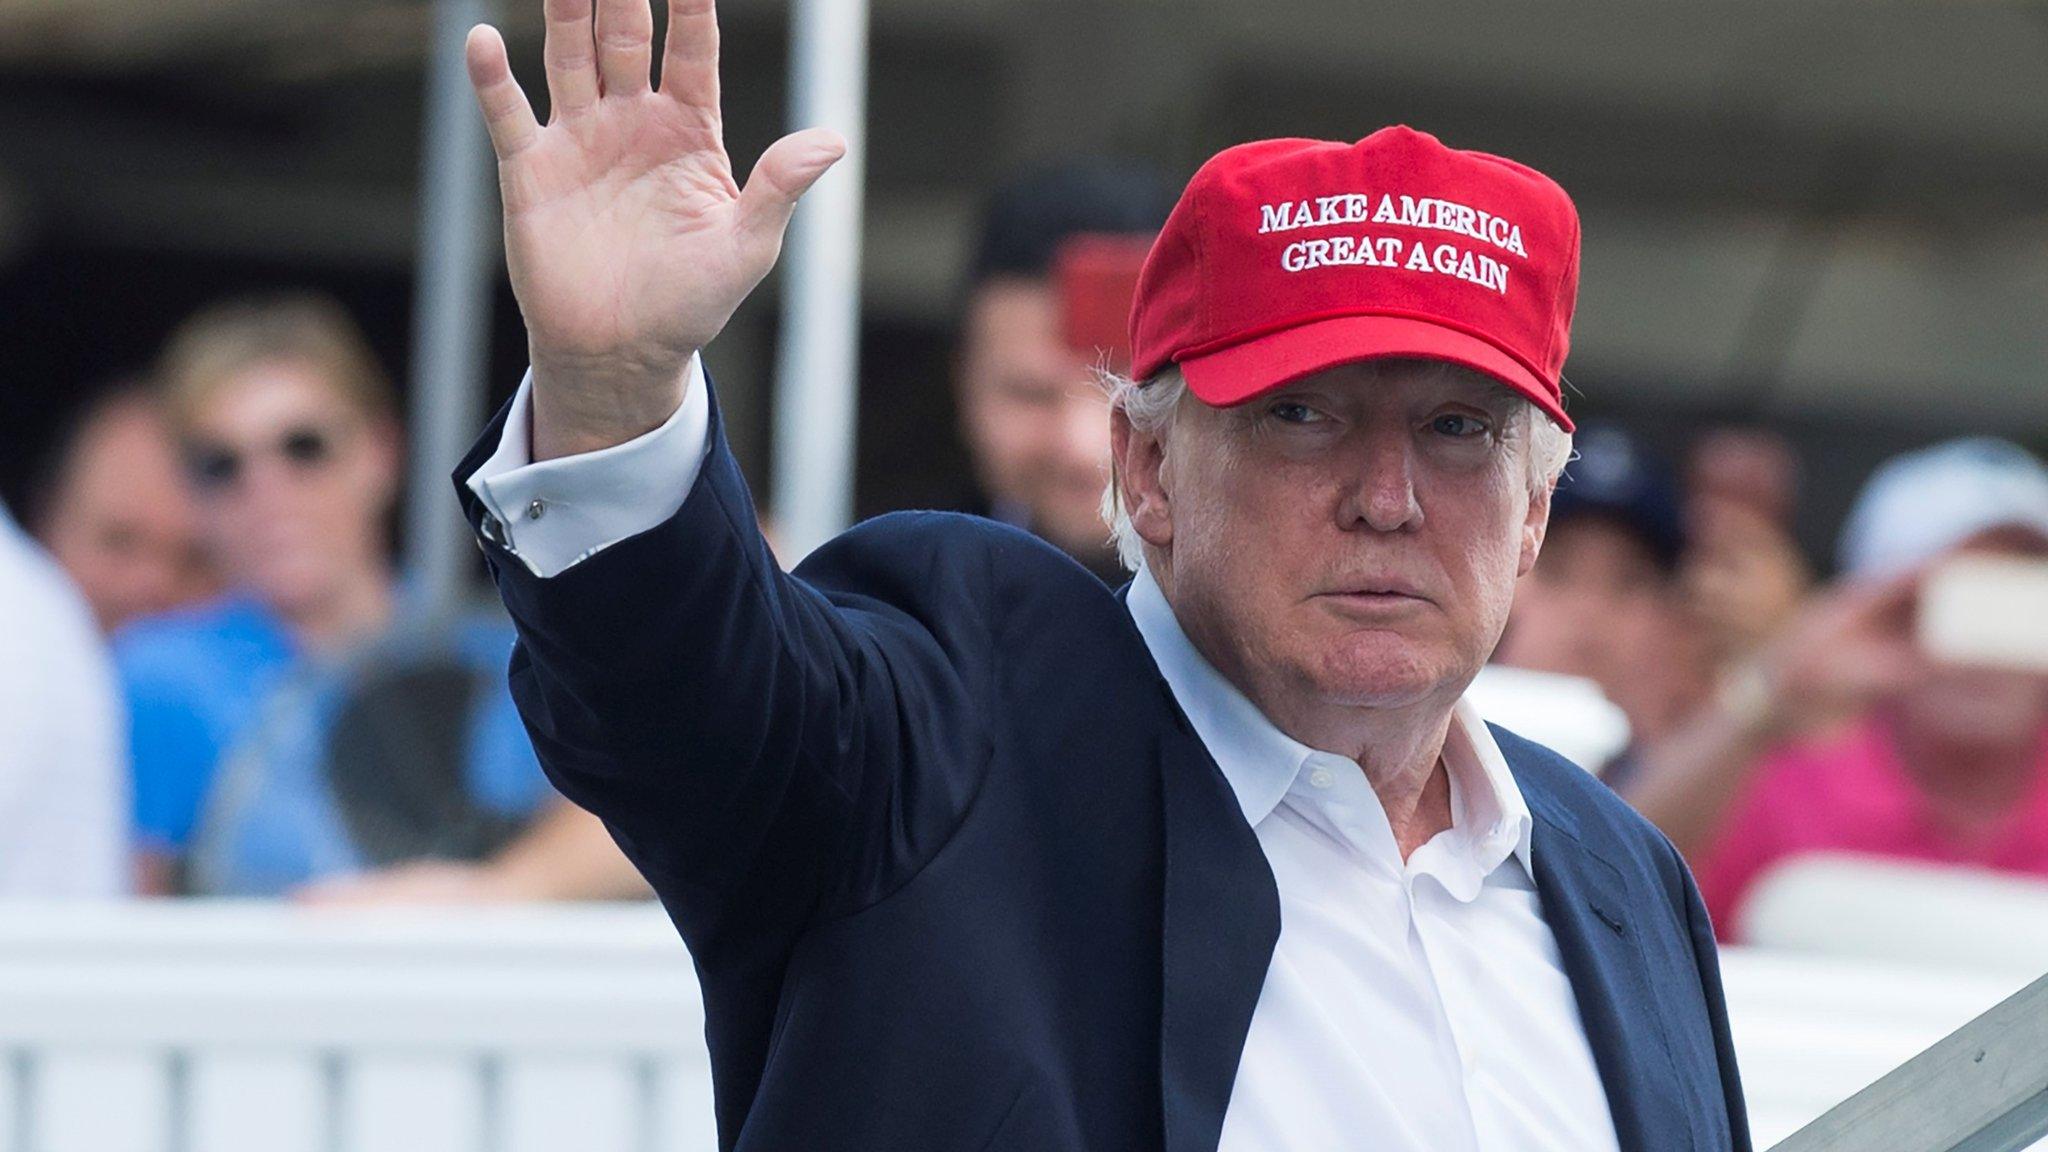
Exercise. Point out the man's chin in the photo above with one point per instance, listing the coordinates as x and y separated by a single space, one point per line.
1387 671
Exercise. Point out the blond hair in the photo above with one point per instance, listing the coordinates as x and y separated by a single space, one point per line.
307 330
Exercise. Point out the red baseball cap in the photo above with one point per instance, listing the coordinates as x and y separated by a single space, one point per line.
1287 257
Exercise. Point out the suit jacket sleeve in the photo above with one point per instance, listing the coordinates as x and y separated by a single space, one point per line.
1706 953
768 748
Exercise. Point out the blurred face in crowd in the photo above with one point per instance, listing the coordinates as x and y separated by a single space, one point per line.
121 519
1599 606
1966 705
1350 541
1748 468
294 483
1034 418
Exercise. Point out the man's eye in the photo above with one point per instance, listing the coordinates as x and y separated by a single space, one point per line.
1458 425
1289 412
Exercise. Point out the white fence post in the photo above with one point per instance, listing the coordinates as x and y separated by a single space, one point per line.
817 380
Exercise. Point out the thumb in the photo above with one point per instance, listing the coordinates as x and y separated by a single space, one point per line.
783 174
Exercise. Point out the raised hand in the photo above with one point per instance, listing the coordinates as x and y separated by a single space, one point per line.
628 240
1846 650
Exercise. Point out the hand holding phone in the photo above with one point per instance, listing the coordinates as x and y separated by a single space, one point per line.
1988 611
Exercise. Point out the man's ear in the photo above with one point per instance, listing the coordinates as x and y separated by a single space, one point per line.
1139 471
1534 527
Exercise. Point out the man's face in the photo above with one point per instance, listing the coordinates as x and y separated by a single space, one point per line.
122 521
1349 542
1600 606
1971 704
293 484
1035 419
1581 610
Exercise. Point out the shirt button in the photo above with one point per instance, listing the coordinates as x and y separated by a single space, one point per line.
1321 778
534 510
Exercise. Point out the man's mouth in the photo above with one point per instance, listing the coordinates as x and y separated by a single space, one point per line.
1384 588
1375 598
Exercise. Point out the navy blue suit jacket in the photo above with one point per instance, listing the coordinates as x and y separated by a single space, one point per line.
956 872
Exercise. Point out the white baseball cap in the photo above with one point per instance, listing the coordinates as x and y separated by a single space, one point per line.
1918 505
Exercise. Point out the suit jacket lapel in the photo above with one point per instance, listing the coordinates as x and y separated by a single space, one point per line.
1587 902
1222 919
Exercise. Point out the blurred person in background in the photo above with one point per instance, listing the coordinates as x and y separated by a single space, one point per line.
1843 733
303 729
1604 602
1743 575
63 759
115 510
1035 421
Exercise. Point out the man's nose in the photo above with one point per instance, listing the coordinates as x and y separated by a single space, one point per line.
1382 494
271 484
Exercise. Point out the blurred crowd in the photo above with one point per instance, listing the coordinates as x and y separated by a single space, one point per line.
218 683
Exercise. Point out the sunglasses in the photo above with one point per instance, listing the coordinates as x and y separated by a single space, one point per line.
217 466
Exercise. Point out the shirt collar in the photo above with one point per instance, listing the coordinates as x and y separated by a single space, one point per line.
1261 762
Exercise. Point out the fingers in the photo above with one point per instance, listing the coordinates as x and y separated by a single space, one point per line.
784 173
1855 615
625 39
1891 598
570 52
689 61
592 53
507 115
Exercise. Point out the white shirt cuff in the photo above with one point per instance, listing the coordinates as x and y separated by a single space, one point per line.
556 513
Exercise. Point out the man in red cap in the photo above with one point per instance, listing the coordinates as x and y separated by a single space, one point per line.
972 852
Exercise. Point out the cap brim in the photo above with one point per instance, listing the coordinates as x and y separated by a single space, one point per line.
1257 366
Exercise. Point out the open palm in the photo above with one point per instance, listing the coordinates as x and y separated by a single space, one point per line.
628 240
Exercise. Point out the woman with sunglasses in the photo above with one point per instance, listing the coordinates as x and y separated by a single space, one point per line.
306 733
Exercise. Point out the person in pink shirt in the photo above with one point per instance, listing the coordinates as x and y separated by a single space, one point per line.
1844 735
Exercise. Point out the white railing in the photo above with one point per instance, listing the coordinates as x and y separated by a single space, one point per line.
219 1028
1928 915
223 1027
1981 936
1812 1031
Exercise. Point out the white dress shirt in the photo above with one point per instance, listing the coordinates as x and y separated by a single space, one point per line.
1410 1006
1415 1006
557 512
63 737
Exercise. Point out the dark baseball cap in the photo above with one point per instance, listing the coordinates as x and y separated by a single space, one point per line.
1614 477
1029 219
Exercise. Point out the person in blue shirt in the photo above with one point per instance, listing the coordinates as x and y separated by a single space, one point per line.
307 733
